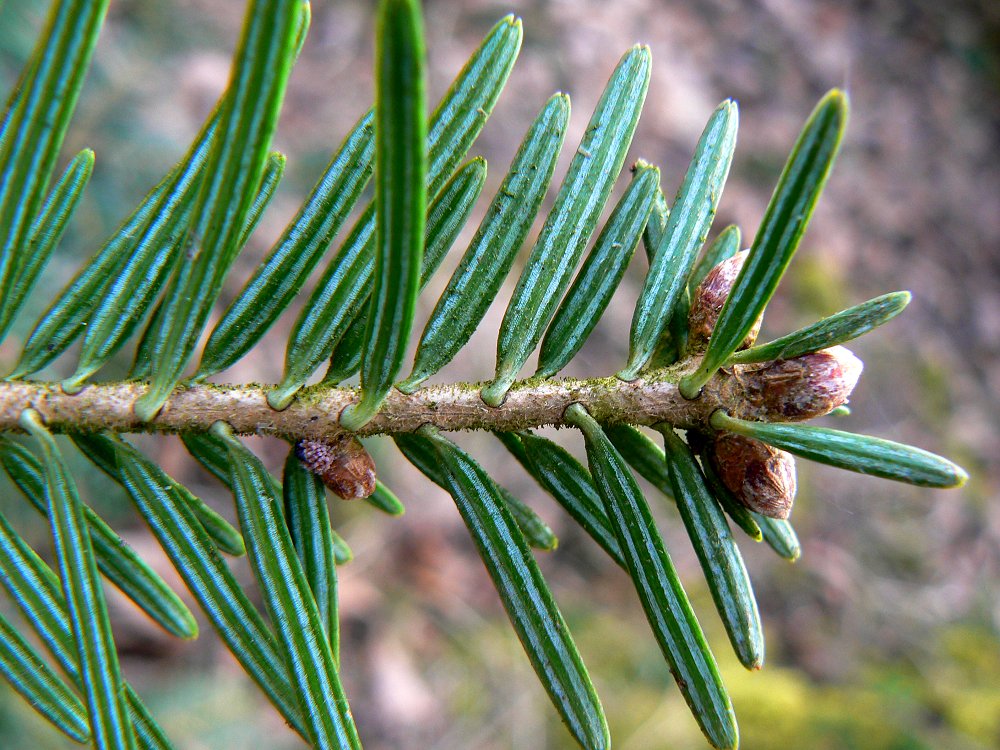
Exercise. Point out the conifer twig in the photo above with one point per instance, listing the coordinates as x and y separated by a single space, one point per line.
314 414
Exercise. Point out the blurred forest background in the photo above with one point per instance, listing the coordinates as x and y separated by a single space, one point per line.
884 634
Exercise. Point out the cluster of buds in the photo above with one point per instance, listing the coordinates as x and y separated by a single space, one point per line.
759 476
343 464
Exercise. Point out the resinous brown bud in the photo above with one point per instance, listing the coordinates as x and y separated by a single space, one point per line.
760 476
791 390
707 301
343 464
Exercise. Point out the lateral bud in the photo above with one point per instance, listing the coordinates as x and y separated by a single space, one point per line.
708 299
342 463
761 477
792 390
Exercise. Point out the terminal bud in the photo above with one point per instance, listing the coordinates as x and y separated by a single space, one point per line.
792 390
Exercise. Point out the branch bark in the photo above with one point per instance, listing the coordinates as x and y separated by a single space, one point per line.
315 412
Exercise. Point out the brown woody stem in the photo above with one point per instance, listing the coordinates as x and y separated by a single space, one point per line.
315 412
